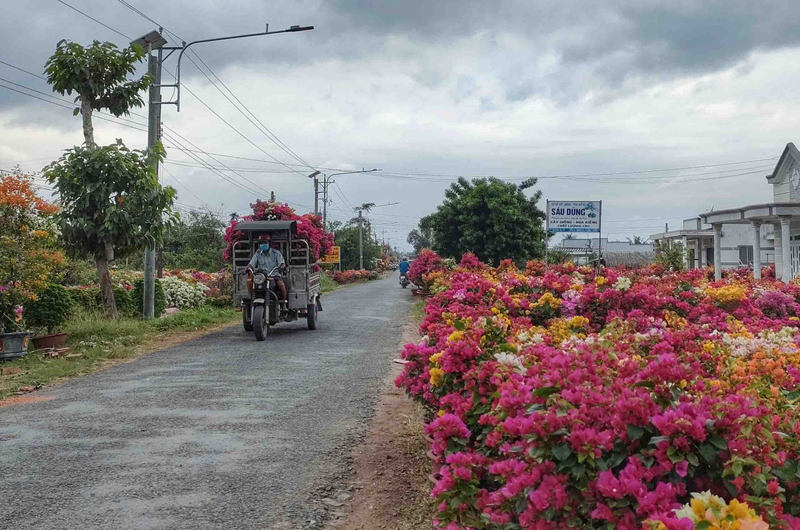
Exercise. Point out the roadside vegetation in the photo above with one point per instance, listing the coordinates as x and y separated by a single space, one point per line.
96 342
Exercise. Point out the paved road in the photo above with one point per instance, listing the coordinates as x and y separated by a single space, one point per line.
222 432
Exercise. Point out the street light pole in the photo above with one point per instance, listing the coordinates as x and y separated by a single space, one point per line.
316 191
154 41
325 182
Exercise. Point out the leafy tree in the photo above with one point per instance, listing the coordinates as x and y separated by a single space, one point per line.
569 236
112 201
195 243
493 219
346 237
99 75
671 255
637 240
111 204
420 238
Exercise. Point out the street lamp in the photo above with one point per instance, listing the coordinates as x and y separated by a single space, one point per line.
154 41
325 182
316 191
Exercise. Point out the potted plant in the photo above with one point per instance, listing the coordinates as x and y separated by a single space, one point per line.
13 332
47 315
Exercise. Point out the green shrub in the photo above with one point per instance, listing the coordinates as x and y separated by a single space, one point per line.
124 301
79 272
51 309
137 295
87 298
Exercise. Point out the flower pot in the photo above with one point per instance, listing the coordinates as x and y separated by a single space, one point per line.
436 464
13 345
433 478
56 340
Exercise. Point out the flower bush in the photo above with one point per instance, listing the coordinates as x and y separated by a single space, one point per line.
352 276
309 227
564 398
182 294
426 263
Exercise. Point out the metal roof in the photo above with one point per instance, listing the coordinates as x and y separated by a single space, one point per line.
267 226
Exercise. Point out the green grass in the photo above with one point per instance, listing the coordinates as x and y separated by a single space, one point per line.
99 340
327 285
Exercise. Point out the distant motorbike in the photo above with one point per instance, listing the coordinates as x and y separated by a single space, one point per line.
404 282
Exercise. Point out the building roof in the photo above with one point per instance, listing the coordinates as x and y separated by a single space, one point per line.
789 150
771 211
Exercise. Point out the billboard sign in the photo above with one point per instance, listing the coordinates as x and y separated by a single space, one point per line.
333 257
573 216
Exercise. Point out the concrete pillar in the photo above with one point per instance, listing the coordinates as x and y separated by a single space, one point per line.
786 249
701 245
757 250
686 263
717 252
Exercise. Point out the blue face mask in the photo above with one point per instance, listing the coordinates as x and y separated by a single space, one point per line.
264 247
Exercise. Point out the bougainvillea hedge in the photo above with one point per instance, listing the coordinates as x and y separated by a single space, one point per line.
570 399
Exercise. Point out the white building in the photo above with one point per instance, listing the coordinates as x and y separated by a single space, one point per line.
585 249
736 244
750 235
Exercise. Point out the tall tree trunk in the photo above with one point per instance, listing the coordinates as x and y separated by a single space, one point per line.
88 128
106 288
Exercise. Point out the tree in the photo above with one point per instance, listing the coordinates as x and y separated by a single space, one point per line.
99 75
569 236
637 240
346 237
420 238
112 201
493 219
111 204
195 243
28 256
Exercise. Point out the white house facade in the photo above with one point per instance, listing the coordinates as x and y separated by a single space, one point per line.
757 234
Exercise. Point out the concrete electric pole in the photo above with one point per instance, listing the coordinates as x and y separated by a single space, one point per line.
154 41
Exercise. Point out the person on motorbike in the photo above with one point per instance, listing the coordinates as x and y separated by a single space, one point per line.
266 260
403 266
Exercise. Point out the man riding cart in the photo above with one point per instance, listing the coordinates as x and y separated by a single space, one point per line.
269 288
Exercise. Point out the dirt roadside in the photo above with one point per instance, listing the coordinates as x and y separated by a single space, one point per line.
390 486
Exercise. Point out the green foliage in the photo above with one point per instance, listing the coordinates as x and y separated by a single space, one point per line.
558 255
124 301
50 310
671 256
137 295
326 284
346 237
99 73
79 272
195 243
420 238
111 200
490 218
87 298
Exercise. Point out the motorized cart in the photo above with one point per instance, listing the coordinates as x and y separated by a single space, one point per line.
256 292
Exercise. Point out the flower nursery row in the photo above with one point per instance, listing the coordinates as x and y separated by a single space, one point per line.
567 398
352 276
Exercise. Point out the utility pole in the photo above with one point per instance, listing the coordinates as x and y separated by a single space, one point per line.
154 41
153 137
316 191
360 240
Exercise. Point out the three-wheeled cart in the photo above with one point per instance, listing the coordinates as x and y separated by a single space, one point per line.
260 311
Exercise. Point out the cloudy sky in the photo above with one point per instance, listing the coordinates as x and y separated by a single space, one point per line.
426 91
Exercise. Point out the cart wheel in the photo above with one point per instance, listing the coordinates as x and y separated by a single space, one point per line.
311 316
260 325
247 324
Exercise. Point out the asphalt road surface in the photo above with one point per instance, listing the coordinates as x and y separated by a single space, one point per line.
222 432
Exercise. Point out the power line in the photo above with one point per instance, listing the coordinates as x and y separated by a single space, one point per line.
92 18
259 125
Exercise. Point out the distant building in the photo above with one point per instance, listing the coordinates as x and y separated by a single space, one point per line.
584 250
750 235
